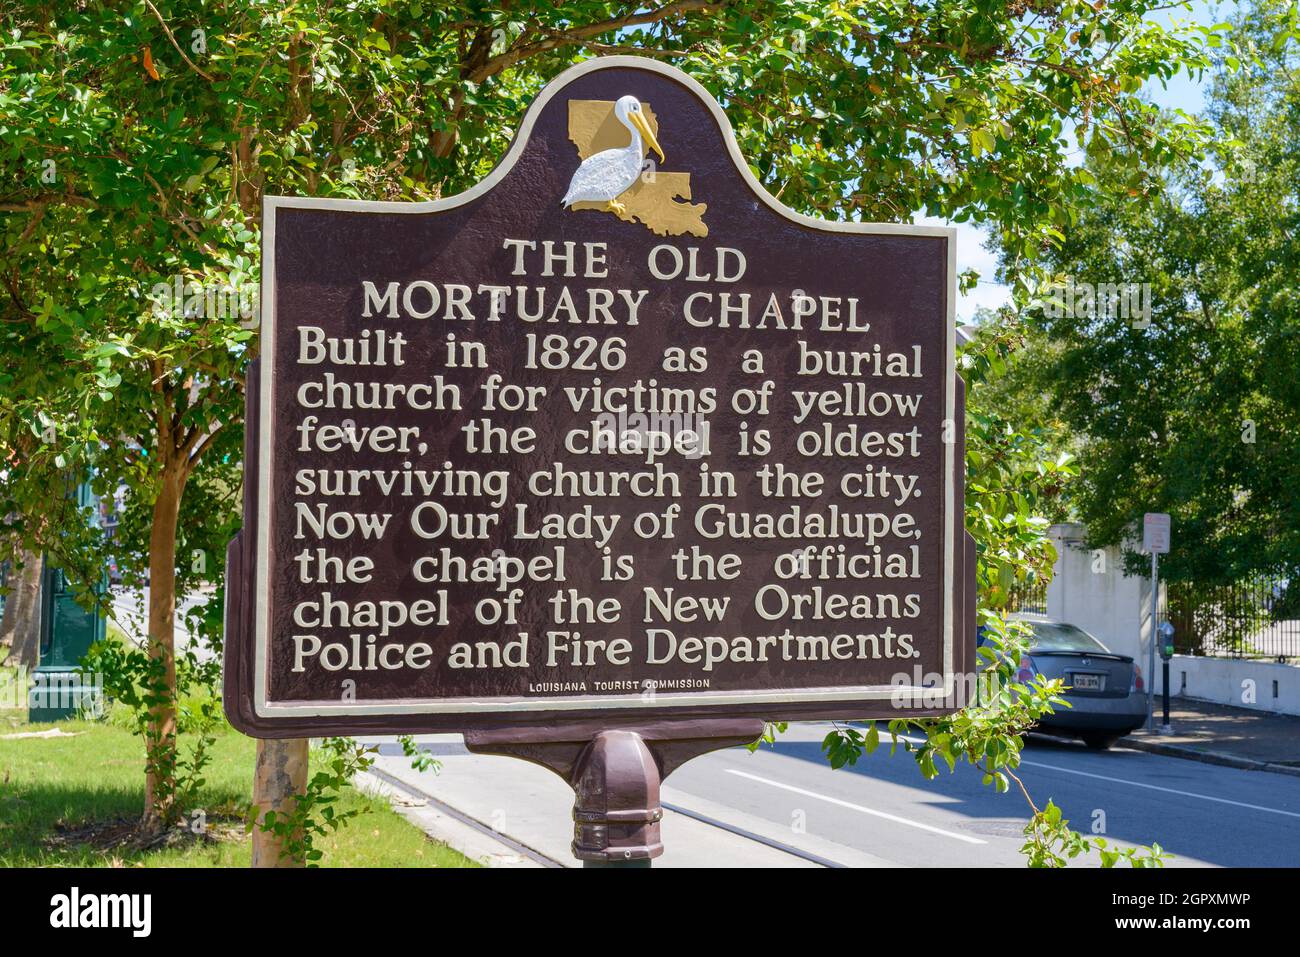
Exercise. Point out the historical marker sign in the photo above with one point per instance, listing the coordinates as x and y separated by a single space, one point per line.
611 437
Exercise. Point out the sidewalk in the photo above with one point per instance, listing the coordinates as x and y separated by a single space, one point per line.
509 813
1217 734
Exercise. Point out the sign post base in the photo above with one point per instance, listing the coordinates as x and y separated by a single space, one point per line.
615 774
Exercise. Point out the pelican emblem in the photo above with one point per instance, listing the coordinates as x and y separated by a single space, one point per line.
604 176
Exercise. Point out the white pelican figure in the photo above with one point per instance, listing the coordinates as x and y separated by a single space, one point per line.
604 177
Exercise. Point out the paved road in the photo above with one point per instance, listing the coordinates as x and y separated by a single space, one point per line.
1203 813
883 813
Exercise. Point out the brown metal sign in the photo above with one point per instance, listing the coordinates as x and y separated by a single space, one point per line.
612 438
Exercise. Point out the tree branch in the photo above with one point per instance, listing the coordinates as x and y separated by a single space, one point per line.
168 31
203 446
46 199
178 218
577 34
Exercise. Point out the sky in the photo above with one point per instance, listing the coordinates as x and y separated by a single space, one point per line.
1182 92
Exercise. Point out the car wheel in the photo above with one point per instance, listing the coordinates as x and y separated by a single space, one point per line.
1100 742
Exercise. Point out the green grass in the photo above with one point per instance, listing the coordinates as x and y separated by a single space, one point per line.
52 786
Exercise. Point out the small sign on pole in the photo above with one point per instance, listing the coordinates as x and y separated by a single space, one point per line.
1155 533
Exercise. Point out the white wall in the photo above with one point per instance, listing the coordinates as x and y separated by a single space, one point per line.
1091 590
1241 683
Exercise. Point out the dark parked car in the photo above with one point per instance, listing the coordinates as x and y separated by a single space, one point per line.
1105 690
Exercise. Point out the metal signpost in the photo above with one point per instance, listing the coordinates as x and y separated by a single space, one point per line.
604 462
1155 540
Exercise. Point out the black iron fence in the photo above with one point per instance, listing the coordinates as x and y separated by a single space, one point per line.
1030 597
1257 619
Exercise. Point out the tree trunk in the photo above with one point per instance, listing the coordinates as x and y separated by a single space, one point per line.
281 774
22 618
160 763
6 629
7 618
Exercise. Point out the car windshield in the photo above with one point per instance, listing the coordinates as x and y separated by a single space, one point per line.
1056 636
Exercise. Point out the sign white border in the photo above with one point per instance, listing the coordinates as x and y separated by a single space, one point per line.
507 704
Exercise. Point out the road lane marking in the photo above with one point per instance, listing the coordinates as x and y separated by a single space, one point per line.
1139 784
1157 787
857 807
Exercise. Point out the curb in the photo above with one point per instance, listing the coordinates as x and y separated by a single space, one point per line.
1208 757
477 844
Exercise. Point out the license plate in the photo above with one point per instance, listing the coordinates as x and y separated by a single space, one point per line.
1085 682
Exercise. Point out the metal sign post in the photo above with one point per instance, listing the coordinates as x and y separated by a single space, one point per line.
1155 539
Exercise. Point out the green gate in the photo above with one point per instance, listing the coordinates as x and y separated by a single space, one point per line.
58 690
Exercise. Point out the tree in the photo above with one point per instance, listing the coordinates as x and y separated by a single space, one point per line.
1181 391
20 628
138 142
